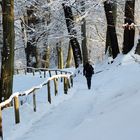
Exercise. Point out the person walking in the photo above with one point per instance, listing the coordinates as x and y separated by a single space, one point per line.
88 71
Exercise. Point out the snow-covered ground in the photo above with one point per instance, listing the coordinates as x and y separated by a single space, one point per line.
109 111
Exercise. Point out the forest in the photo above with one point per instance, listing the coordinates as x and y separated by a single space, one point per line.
48 43
60 34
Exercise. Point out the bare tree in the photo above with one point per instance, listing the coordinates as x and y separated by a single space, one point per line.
69 57
84 40
7 69
129 33
72 32
111 28
108 48
31 48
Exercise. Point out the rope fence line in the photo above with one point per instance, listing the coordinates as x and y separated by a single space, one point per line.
65 76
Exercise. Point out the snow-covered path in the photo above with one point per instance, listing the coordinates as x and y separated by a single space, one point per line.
109 111
63 119
101 113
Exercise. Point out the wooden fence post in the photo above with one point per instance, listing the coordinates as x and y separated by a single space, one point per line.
65 85
55 72
16 107
33 70
49 93
34 101
1 132
55 86
61 78
71 79
44 74
50 73
68 82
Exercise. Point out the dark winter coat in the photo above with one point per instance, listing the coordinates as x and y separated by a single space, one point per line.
88 70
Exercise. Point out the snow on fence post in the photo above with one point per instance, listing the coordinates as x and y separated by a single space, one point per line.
1 132
55 86
49 93
67 81
34 101
16 107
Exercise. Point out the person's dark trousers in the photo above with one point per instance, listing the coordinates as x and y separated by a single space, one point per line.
89 82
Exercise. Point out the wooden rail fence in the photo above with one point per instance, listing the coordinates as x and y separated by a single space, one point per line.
66 78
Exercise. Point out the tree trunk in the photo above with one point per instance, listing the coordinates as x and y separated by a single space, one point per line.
137 51
60 57
47 57
84 40
23 29
129 33
7 69
69 57
72 32
31 49
111 28
1 40
108 43
31 55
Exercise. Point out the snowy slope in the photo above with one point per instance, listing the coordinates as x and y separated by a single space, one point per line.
109 111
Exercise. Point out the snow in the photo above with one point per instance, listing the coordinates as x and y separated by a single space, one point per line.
109 111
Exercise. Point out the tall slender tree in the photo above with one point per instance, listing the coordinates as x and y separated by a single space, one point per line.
31 47
83 30
129 33
72 32
60 55
111 28
69 57
108 43
47 50
7 68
